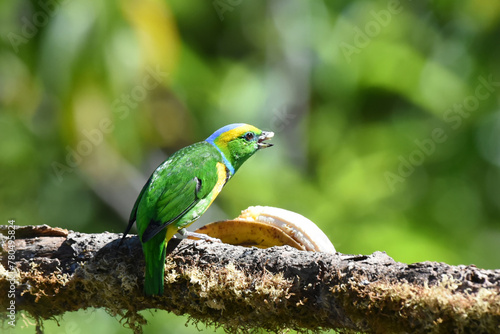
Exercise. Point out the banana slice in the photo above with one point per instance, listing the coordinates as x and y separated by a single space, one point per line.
265 226
248 234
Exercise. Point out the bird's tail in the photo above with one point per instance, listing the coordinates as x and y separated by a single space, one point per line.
155 252
155 270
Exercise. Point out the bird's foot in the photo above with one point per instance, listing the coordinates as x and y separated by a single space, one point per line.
201 236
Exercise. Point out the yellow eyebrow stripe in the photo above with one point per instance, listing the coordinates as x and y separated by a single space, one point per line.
236 132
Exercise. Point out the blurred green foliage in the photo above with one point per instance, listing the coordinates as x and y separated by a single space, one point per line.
386 116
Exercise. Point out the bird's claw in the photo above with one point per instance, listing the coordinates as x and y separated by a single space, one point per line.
202 237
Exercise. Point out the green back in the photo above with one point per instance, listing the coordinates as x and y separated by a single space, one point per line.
177 185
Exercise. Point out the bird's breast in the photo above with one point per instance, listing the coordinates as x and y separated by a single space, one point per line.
222 177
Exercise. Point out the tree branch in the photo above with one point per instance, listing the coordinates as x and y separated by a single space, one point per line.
244 288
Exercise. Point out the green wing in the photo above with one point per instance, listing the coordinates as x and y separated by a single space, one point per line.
166 202
177 186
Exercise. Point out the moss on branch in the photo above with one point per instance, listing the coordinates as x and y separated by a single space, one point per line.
245 288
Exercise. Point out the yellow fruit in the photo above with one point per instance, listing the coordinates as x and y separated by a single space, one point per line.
264 226
248 233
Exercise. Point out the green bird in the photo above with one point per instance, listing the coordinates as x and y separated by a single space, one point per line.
182 188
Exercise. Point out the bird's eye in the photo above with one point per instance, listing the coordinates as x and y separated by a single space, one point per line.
249 136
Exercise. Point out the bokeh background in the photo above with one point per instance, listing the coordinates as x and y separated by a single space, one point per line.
386 116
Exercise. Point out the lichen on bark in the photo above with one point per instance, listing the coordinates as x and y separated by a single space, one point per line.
242 289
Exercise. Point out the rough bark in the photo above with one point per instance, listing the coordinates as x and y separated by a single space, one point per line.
246 288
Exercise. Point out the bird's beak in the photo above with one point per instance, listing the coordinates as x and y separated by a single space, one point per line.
265 136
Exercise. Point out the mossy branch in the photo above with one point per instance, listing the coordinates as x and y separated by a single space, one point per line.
245 288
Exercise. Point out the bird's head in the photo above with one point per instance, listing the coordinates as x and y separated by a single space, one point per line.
238 142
